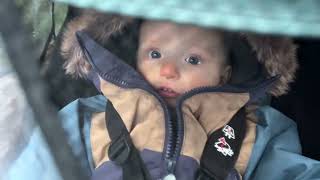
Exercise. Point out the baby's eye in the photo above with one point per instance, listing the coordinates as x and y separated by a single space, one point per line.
193 60
154 54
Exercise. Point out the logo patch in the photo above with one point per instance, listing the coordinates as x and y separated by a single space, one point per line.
229 132
223 147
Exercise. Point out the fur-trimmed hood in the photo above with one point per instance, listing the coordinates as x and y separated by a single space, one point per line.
274 55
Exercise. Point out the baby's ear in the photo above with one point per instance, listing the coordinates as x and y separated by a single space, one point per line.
226 75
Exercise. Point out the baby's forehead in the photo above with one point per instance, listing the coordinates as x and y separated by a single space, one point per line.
165 32
156 27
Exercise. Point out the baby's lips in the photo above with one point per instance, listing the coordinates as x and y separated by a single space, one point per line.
167 92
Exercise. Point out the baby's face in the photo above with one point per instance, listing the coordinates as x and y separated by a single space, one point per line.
176 58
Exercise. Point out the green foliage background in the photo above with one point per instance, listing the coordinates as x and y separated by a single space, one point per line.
37 15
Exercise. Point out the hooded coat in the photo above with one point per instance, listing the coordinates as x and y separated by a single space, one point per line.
261 65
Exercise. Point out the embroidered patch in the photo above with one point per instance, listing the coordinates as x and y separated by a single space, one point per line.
229 132
223 147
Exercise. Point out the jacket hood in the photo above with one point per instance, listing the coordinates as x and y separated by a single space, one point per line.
254 56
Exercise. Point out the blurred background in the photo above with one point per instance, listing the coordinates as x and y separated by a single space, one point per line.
46 20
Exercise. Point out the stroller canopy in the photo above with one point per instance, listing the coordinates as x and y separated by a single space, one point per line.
296 18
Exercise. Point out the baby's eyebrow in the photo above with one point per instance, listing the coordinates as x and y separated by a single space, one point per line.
148 47
206 51
149 42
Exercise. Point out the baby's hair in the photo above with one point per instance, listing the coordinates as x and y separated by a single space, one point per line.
227 60
227 47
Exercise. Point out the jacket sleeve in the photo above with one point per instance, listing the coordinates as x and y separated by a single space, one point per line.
277 152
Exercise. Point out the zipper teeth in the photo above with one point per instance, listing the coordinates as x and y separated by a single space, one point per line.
172 141
116 80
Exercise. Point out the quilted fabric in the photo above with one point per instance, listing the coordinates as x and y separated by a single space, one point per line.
296 18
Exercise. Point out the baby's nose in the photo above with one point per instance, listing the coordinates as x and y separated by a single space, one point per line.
169 70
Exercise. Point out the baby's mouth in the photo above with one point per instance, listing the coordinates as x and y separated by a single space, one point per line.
167 92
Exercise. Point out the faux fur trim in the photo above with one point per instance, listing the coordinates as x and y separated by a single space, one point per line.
276 54
99 26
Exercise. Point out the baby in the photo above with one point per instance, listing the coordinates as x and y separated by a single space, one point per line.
176 58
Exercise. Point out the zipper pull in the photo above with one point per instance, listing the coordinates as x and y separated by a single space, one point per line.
170 166
169 177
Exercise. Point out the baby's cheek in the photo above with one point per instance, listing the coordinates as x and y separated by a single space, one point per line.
200 80
142 67
207 82
147 71
194 83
